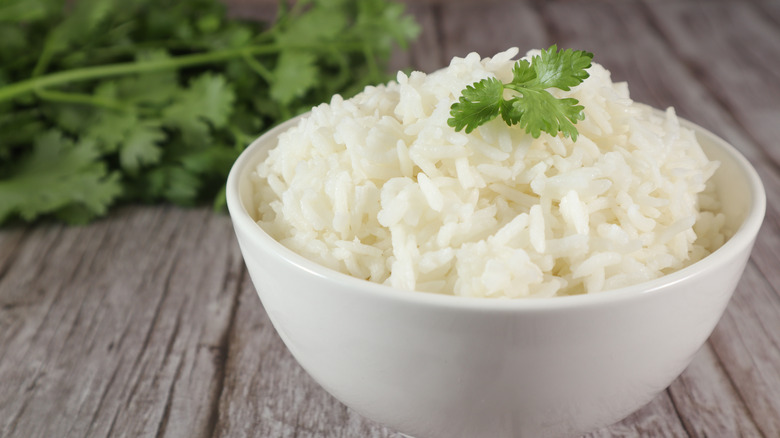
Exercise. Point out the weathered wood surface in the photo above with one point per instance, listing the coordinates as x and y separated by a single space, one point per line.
146 324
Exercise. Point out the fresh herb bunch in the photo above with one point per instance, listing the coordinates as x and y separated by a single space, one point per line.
104 101
531 105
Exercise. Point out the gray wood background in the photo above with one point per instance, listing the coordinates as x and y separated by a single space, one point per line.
145 324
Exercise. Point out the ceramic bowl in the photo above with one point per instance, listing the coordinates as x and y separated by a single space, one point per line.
436 366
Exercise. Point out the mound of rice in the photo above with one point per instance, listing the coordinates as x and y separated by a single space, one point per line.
381 188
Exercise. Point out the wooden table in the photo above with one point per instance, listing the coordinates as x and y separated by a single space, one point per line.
146 324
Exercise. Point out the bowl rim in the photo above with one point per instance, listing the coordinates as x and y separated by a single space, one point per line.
743 237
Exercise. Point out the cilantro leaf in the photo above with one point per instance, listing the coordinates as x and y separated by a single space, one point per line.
510 112
294 75
170 182
136 140
478 104
207 102
522 72
156 88
559 114
141 148
19 11
208 98
108 129
149 101
561 69
532 107
57 175
309 28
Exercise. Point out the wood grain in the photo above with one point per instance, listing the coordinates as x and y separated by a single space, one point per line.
111 334
499 25
146 323
267 394
747 342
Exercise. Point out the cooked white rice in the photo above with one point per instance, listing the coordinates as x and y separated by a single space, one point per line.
381 188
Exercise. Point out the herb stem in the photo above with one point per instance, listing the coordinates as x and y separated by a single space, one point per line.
258 67
46 55
83 74
79 98
101 71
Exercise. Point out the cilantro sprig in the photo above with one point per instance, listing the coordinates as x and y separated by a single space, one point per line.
531 106
110 101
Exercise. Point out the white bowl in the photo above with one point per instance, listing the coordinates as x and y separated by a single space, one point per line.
435 366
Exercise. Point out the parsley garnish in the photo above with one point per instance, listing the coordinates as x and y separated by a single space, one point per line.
107 101
531 105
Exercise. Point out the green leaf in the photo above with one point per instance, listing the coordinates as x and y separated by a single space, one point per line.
214 160
478 104
72 119
26 11
323 23
561 69
18 129
57 175
220 201
511 113
539 111
209 98
109 128
522 72
384 23
172 183
154 88
79 26
14 43
532 107
140 148
157 97
232 36
294 75
136 140
207 103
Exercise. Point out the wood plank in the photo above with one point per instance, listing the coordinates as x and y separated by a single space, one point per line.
714 62
766 252
260 10
700 389
10 240
128 333
23 300
489 27
769 9
267 394
747 343
656 419
719 60
706 388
